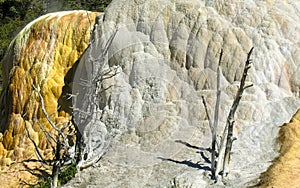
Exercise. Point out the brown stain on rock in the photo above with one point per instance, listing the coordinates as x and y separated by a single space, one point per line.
285 170
41 54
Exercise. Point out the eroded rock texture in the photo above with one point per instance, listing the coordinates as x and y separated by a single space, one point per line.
43 54
166 54
137 89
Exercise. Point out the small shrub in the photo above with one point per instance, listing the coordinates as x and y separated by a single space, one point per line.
67 174
64 177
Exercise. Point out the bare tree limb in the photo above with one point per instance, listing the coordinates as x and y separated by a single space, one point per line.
90 22
214 125
207 114
83 82
48 118
107 75
221 151
36 148
230 118
58 141
49 137
248 86
69 124
216 120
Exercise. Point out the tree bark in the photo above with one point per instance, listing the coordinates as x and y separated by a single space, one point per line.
56 163
214 125
230 118
213 137
54 177
216 120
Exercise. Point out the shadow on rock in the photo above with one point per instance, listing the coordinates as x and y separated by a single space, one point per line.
191 146
188 163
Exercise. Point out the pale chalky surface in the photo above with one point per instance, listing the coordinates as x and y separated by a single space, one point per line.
166 54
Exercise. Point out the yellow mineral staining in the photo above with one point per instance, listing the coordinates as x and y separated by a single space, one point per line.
285 170
42 54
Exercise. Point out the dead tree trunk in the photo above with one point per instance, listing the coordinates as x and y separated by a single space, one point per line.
57 163
213 138
216 116
221 159
58 141
214 125
230 118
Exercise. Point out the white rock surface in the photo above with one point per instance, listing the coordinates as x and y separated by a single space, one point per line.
166 53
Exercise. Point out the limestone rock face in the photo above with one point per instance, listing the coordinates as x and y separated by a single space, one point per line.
137 88
43 54
149 117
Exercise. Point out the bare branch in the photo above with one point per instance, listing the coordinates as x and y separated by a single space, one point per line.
90 22
108 75
81 111
230 118
109 41
69 124
46 166
248 86
207 114
217 107
69 96
216 120
39 155
105 89
48 118
221 152
47 134
84 82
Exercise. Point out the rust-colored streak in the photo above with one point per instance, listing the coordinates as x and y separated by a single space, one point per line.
41 54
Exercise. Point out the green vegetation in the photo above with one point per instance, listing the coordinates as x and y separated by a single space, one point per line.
66 175
15 14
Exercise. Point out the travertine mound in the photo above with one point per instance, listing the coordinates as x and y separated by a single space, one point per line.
43 54
165 54
139 84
